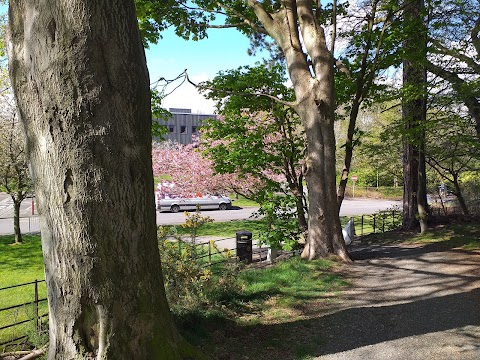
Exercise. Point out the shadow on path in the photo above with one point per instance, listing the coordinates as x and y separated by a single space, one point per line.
415 299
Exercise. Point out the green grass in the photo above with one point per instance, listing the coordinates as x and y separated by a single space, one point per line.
464 236
291 283
263 312
20 263
227 229
242 201
392 193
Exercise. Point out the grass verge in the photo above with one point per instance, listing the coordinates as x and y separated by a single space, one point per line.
262 316
227 229
464 236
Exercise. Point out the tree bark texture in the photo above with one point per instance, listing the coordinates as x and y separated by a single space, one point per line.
315 104
414 108
16 221
79 74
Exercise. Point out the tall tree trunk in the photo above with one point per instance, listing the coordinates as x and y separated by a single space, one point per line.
414 115
16 221
80 79
410 186
324 229
313 84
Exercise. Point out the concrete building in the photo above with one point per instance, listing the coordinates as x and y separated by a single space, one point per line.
183 125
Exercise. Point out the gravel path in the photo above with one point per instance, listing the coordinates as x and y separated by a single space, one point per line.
407 303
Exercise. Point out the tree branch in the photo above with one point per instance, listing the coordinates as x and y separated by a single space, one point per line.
262 15
469 99
226 92
246 21
456 54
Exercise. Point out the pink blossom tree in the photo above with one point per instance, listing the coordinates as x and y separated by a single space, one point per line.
185 172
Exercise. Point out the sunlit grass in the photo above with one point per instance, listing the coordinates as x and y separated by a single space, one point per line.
465 236
227 229
20 263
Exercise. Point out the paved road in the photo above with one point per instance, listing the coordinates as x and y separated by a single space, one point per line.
350 207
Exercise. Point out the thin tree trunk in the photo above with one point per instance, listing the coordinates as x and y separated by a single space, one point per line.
423 208
79 74
16 221
348 153
410 186
296 187
461 200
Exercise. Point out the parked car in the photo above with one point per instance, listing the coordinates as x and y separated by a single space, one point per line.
204 202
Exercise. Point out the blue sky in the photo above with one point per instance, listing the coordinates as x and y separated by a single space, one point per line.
223 49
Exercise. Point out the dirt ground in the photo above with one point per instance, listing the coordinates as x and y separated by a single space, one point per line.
408 302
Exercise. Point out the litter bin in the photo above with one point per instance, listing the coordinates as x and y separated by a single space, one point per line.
244 246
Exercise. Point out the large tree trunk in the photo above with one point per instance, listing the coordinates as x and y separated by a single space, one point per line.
313 84
414 109
324 229
79 74
16 221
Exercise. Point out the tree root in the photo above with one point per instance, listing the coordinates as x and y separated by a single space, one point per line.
25 355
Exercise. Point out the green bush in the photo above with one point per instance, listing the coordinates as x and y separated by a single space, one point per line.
189 283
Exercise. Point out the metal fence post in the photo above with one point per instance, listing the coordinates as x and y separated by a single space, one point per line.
37 325
393 218
374 223
383 223
362 225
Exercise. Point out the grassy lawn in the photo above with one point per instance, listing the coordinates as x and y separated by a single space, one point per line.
242 201
227 229
465 236
383 222
20 264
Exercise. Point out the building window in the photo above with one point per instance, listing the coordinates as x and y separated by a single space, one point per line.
194 129
183 129
171 128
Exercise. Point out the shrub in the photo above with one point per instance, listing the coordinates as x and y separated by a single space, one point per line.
189 283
